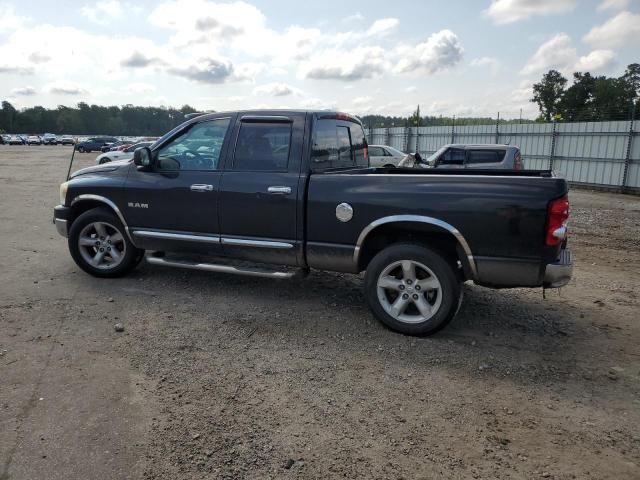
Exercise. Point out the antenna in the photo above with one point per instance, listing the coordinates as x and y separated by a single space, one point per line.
71 161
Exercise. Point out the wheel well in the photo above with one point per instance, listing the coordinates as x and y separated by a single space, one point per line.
79 208
429 235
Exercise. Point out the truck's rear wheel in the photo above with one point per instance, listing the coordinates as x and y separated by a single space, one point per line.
99 245
412 289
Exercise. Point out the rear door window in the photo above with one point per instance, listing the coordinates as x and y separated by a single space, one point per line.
485 156
262 146
338 144
376 152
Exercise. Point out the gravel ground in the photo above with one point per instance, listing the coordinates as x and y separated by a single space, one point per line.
230 377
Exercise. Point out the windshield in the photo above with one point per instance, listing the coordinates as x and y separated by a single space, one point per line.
435 155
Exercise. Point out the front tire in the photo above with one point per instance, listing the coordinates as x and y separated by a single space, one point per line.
100 246
412 289
81 149
104 160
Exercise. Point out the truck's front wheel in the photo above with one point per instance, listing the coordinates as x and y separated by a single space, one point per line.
412 289
99 245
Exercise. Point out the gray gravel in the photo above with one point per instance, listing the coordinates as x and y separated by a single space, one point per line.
230 377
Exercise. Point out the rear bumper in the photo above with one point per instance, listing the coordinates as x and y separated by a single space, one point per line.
558 274
61 215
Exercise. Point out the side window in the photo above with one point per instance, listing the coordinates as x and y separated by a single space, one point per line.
485 156
262 146
337 146
453 156
359 145
198 148
376 152
345 152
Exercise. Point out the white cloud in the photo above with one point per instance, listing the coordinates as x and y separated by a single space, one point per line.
275 90
9 19
618 31
25 91
595 61
509 11
65 88
346 65
614 5
441 50
411 89
356 17
205 70
556 53
383 26
484 62
102 12
360 101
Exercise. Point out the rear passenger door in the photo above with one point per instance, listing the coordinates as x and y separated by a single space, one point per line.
484 158
259 189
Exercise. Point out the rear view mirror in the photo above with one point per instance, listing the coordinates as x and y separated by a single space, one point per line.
142 157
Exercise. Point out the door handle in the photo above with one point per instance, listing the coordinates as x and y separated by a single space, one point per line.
200 187
279 190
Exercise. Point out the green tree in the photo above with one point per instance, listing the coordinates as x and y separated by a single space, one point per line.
548 93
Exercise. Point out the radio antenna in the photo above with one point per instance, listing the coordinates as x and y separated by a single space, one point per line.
71 161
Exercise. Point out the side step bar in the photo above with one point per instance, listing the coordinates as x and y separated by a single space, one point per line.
211 267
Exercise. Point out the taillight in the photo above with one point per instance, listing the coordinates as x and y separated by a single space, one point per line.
557 215
517 164
366 152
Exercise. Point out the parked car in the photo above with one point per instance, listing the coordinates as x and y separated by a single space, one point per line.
94 144
476 156
49 139
15 140
126 154
66 140
384 156
292 190
114 145
34 140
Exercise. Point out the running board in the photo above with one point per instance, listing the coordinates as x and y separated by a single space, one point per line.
211 267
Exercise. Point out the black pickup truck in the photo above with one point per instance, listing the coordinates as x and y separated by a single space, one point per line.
275 193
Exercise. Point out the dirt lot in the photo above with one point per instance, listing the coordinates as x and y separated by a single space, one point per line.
229 377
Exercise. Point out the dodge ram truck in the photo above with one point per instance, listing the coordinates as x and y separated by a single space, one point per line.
276 193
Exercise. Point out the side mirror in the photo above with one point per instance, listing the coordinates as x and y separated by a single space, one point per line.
142 157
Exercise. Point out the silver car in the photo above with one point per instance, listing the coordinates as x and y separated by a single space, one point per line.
384 156
476 156
126 154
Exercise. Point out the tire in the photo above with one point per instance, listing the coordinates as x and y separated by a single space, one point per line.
389 165
433 293
81 149
88 228
104 160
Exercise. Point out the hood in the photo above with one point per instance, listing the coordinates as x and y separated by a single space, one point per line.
105 168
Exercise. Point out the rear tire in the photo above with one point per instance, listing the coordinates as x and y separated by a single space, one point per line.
104 160
412 289
81 149
99 244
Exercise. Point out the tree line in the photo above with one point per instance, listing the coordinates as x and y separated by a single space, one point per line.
589 97
92 119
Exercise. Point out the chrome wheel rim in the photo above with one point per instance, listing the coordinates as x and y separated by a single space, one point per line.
409 291
102 245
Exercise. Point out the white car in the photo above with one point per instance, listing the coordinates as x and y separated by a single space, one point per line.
34 140
384 156
126 154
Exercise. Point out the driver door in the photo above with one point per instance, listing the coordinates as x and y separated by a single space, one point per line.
175 205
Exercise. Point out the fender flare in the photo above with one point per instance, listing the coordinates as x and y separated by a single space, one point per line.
417 219
98 198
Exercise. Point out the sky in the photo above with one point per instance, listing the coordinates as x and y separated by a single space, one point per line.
451 57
